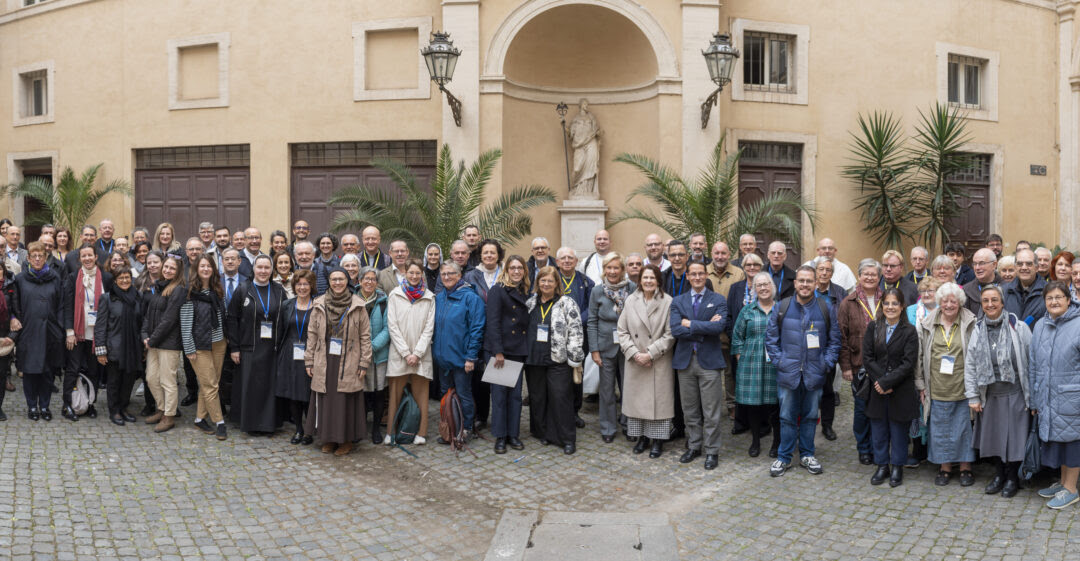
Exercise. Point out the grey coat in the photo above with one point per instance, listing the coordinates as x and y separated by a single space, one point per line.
603 320
975 383
1054 367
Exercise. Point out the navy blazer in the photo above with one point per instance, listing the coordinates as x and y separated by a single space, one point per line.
701 331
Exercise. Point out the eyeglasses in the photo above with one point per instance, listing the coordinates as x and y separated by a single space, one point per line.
1056 298
301 228
448 275
982 263
539 247
1025 263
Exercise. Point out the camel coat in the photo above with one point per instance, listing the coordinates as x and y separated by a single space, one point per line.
356 340
412 326
649 392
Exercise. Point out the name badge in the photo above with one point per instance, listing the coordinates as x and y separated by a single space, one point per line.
947 364
615 334
812 340
335 346
266 330
542 333
298 351
91 319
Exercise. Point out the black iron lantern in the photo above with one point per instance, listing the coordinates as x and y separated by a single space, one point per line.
441 58
720 58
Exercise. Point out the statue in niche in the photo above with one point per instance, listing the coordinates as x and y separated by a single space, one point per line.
585 141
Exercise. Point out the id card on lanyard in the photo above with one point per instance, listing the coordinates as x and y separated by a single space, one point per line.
91 315
812 341
543 330
299 348
266 328
335 342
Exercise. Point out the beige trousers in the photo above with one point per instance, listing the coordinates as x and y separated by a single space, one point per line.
419 386
207 366
161 366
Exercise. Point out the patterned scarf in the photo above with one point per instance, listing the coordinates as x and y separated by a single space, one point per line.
617 293
413 292
337 305
987 349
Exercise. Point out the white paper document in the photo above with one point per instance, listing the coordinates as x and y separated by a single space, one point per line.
505 376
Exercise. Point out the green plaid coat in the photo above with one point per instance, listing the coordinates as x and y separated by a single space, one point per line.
755 377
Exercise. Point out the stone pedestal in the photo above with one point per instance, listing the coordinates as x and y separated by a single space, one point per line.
581 219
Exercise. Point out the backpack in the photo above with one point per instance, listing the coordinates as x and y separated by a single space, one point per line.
406 422
452 422
83 396
786 303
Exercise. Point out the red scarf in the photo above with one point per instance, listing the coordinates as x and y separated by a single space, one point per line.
80 297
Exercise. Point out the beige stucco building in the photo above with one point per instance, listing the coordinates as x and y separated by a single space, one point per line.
251 111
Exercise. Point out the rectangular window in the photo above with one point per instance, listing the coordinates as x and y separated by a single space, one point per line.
965 81
767 62
35 89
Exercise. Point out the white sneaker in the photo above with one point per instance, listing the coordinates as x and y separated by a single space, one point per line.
778 468
811 464
139 391
386 440
419 440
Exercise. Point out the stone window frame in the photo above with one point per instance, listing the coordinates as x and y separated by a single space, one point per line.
800 62
988 110
18 94
422 25
222 41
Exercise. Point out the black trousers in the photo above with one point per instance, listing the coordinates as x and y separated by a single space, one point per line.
551 403
80 360
191 381
481 393
225 385
677 422
120 383
829 400
5 371
38 389
757 416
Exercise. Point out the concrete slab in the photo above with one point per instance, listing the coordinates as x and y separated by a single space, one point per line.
583 536
512 535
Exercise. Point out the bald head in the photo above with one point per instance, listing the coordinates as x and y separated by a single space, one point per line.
985 264
654 248
371 238
602 242
721 254
826 248
777 255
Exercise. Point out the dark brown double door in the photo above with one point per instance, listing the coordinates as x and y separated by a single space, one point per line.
186 197
765 169
971 223
312 187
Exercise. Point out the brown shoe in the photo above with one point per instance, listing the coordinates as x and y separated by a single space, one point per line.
328 447
343 449
165 424
10 387
155 418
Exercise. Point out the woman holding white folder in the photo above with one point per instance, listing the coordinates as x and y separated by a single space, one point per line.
506 337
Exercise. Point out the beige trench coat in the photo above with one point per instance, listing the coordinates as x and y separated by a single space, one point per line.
412 326
649 392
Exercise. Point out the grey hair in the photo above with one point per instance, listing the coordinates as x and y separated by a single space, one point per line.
451 264
942 260
304 242
635 254
366 270
752 258
924 251
1007 261
822 259
767 276
349 257
950 289
203 225
995 288
564 250
459 242
193 239
539 239
869 262
230 249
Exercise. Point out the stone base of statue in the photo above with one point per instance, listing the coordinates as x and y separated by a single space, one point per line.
581 219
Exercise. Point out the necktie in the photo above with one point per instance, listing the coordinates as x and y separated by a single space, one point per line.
697 300
229 291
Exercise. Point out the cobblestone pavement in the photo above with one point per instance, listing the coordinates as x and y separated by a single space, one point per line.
91 490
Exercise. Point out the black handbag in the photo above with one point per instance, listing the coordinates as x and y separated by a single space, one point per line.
1033 452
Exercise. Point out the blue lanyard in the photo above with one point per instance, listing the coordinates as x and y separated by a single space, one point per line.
682 281
101 244
300 325
89 299
779 285
342 320
265 305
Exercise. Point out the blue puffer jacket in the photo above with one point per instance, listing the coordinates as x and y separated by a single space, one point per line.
1054 370
380 329
787 346
459 327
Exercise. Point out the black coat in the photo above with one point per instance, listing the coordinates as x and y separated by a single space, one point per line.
244 316
71 260
37 303
909 289
892 366
69 295
787 282
734 304
507 328
109 330
161 324
533 268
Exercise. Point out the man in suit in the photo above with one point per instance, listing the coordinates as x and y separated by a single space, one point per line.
231 281
13 253
391 277
782 275
253 249
892 276
540 257
697 320
88 236
105 244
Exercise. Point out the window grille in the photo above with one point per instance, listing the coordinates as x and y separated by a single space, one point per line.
411 152
216 156
767 62
965 81
772 154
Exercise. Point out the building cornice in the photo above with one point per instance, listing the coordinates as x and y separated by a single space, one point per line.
38 9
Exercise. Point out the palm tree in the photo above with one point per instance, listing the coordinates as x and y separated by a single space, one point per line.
71 201
880 169
710 204
439 214
937 156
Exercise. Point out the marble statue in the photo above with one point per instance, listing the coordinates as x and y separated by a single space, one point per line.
585 140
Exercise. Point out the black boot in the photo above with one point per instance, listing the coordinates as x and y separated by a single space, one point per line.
641 445
377 408
3 392
1012 480
998 482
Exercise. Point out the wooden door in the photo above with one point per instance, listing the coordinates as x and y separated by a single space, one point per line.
767 168
971 224
186 197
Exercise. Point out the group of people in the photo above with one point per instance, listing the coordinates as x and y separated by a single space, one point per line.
946 361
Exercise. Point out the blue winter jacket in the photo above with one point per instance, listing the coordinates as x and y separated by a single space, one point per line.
380 329
459 327
787 345
1054 375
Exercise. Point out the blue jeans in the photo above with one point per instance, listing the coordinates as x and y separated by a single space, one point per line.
860 426
798 421
461 381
